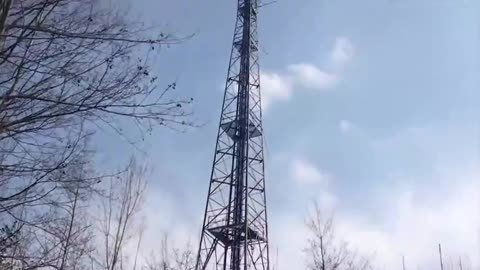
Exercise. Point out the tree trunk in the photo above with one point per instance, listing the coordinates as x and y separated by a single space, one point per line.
322 252
4 9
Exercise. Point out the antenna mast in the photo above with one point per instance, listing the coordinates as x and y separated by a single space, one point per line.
234 232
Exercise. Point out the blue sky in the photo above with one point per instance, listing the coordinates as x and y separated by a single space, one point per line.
371 108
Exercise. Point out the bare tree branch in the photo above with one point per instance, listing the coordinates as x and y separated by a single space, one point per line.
325 251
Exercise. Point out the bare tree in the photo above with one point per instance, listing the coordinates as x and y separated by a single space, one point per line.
4 9
69 235
53 231
67 68
75 232
121 224
9 236
325 251
120 206
172 258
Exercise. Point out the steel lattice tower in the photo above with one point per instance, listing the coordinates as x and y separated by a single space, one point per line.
234 233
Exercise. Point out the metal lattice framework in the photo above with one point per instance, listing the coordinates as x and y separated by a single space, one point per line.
234 233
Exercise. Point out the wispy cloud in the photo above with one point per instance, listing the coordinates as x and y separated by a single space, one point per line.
410 213
342 53
410 224
274 87
309 76
307 175
280 86
413 226
345 126
304 172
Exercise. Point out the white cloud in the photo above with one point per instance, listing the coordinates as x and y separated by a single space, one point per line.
281 86
310 76
286 251
414 226
161 218
410 226
413 213
342 53
274 87
304 172
345 126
